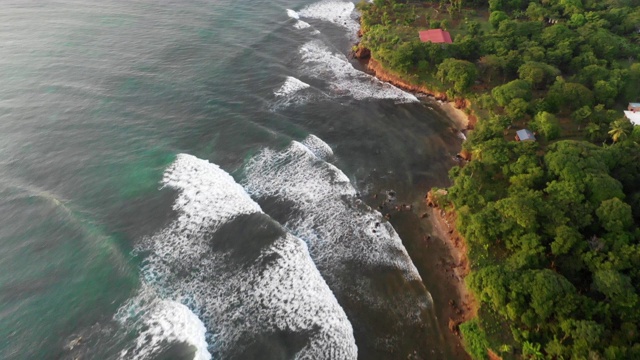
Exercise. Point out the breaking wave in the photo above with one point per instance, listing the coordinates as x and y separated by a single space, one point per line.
250 282
299 24
293 92
293 14
340 13
336 225
162 324
319 148
290 86
355 249
319 62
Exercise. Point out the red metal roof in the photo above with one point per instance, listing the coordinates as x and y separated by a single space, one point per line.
435 36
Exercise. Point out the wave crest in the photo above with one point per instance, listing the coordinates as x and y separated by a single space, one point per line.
239 271
339 13
319 62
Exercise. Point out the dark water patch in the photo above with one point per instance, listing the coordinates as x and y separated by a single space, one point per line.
56 258
246 236
278 209
431 257
275 346
143 217
175 351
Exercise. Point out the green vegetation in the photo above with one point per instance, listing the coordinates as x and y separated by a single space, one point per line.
475 340
555 246
551 226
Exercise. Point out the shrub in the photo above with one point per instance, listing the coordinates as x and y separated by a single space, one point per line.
475 340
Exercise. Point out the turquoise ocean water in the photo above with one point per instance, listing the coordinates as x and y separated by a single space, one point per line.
122 234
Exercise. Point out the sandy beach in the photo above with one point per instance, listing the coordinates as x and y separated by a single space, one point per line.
442 227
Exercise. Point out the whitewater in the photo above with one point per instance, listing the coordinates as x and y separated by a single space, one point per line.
197 179
242 284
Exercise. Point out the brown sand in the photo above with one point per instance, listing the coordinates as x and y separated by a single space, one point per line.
461 305
444 229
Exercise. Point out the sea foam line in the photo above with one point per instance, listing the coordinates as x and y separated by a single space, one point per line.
159 323
299 24
340 13
337 227
239 294
319 188
354 247
291 85
321 63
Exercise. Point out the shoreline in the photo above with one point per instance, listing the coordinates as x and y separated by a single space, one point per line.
455 110
462 305
443 227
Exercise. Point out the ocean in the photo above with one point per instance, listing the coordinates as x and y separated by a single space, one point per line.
206 179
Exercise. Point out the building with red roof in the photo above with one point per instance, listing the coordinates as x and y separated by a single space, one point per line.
437 36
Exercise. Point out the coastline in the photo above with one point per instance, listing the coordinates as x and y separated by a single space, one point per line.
460 305
455 110
443 227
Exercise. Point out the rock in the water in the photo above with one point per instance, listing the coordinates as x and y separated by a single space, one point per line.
362 53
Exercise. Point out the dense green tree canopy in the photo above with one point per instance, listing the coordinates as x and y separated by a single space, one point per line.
546 124
551 226
504 94
459 72
553 239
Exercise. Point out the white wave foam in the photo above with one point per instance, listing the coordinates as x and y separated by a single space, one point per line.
293 14
240 300
160 323
318 147
292 93
301 25
291 85
340 13
354 248
337 227
319 62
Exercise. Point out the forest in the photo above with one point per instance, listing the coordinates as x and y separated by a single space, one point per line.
552 225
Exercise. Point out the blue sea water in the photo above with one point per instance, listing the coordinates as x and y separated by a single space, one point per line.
122 234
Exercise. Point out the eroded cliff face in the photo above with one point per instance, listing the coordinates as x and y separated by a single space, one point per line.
466 120
362 53
385 75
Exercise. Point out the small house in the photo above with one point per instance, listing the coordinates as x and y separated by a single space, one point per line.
633 116
633 113
634 107
525 135
437 36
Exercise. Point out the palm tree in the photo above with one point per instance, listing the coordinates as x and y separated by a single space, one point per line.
531 351
506 349
620 130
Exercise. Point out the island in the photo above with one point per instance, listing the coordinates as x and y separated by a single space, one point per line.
545 202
